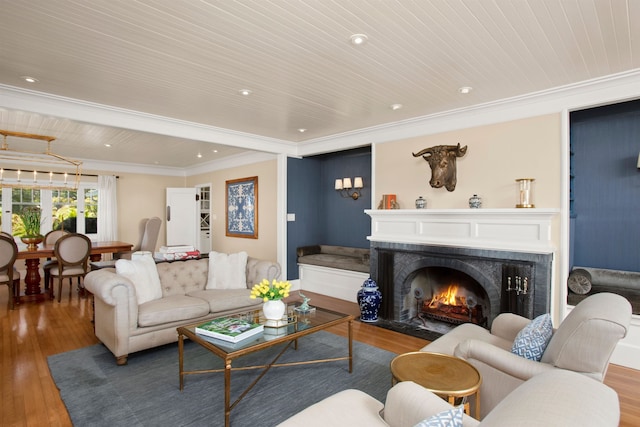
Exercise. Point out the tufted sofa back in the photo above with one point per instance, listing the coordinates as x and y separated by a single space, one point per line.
182 277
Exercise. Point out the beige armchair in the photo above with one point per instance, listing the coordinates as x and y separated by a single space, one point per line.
583 343
554 399
148 237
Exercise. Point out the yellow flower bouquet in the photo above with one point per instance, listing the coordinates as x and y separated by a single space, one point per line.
270 291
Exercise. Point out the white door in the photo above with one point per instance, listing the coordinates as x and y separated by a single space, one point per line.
182 217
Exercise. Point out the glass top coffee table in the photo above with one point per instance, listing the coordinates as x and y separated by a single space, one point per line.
298 326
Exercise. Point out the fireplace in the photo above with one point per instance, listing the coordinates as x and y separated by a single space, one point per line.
434 277
430 285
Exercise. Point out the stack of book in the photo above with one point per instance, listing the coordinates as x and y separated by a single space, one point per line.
177 252
231 329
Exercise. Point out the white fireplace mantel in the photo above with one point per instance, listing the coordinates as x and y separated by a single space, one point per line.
524 230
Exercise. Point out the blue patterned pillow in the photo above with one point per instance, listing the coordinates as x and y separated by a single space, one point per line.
448 418
532 340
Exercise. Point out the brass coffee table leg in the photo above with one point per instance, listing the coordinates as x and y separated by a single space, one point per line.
181 359
227 392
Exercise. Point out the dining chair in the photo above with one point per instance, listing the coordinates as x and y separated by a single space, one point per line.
149 228
72 255
8 274
50 239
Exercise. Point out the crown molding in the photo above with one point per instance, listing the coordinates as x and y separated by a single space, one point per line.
75 109
241 159
135 168
590 93
605 90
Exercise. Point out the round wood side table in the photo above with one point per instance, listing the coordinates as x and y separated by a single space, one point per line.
447 376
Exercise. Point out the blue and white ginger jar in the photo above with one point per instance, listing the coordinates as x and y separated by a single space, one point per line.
369 299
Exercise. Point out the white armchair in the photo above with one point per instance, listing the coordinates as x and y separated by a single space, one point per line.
557 399
582 343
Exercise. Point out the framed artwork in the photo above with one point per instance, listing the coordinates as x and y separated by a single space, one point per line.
242 208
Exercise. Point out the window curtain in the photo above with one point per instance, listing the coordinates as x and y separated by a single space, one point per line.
107 208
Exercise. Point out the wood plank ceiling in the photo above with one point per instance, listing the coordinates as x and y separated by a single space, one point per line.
187 60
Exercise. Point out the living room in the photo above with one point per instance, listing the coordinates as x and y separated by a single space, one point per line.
523 136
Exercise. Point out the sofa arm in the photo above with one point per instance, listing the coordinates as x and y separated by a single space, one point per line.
561 398
258 269
118 296
409 403
507 325
102 282
501 360
346 408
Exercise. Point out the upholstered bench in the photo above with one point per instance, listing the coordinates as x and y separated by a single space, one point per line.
336 271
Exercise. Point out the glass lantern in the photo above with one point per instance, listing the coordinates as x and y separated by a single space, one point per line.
525 193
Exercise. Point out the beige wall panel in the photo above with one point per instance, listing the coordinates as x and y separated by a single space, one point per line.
265 246
142 196
497 155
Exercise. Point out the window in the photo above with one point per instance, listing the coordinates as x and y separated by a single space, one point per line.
22 198
65 207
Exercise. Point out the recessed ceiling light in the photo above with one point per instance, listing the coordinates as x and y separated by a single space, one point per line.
215 151
199 155
395 106
29 79
302 130
465 89
245 92
359 39
107 145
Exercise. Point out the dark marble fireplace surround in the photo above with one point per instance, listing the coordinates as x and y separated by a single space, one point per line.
395 265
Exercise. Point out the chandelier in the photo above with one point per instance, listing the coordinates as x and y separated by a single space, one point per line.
65 174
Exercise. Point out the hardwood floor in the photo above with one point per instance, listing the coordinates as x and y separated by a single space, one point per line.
34 331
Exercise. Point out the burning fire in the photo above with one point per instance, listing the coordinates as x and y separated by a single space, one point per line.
454 305
448 297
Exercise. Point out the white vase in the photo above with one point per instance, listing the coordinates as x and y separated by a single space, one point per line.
274 309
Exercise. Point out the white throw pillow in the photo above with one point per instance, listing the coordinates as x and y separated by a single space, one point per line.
227 271
142 272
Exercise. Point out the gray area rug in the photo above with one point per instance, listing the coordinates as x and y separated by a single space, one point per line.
145 392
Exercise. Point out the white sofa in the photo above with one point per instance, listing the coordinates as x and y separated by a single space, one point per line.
553 399
125 327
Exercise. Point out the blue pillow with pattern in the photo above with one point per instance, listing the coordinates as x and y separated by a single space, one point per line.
532 340
449 418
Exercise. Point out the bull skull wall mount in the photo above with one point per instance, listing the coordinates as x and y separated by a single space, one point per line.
442 160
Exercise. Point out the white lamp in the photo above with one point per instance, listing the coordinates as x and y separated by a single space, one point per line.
344 186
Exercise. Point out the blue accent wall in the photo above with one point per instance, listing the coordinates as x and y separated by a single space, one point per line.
605 143
322 215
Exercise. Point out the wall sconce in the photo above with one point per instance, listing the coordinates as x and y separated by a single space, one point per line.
345 188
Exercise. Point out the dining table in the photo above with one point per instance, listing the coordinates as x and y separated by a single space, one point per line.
32 291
